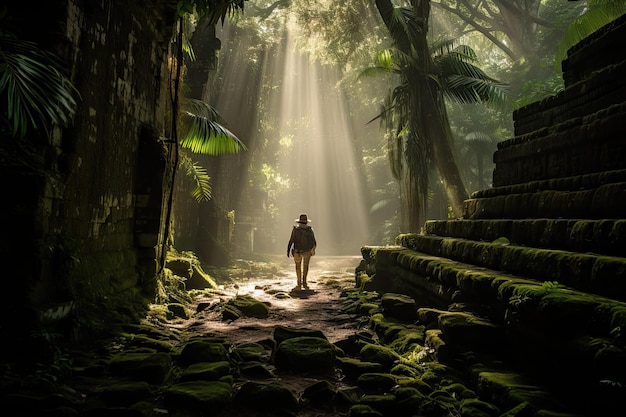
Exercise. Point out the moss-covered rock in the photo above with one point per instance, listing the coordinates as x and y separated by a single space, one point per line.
125 393
381 354
354 367
399 306
363 410
255 370
249 306
251 351
266 396
305 354
376 382
199 396
205 371
204 350
320 395
466 329
178 310
473 407
383 403
282 333
152 367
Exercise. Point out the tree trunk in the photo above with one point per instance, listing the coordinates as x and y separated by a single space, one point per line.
430 125
437 127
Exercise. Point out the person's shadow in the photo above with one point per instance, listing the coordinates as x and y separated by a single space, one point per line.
301 293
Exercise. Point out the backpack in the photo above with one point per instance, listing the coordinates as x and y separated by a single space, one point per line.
303 239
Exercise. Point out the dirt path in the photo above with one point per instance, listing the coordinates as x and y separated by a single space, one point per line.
274 282
319 308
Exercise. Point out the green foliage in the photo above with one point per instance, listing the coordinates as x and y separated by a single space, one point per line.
37 92
198 175
598 14
204 133
214 10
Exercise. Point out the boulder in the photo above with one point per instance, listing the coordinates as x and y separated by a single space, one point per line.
266 396
399 306
305 354
205 350
206 397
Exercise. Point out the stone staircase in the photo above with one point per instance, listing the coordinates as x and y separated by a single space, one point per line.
527 292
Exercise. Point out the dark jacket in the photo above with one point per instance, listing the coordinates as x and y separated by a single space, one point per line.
297 238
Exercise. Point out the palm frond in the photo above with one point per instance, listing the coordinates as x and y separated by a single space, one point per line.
600 13
200 177
36 90
205 134
467 90
215 10
442 46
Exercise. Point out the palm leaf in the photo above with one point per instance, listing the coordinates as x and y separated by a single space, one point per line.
214 10
469 90
199 175
205 134
600 13
37 92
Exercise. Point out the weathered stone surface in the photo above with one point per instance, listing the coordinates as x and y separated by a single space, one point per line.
178 310
249 307
207 350
320 395
266 396
198 396
467 330
354 367
282 333
126 393
144 366
205 371
251 351
376 382
256 370
380 354
305 354
399 306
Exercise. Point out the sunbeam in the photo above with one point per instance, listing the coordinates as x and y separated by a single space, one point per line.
303 113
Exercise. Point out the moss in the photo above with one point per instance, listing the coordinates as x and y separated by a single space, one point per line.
609 274
408 339
363 410
458 390
380 354
476 283
207 371
249 306
198 395
147 341
474 407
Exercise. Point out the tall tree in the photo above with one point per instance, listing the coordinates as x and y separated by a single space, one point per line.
416 108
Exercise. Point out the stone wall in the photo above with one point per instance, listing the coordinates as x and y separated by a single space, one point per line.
87 212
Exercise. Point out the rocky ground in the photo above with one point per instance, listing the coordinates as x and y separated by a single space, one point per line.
333 350
274 282
94 383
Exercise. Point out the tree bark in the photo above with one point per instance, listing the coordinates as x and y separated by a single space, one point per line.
430 124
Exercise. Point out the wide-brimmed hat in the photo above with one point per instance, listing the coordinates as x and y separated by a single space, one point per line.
303 219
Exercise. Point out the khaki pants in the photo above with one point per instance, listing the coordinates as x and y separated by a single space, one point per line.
302 266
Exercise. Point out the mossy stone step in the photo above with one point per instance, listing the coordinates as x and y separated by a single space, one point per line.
604 237
603 202
598 274
572 183
508 299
